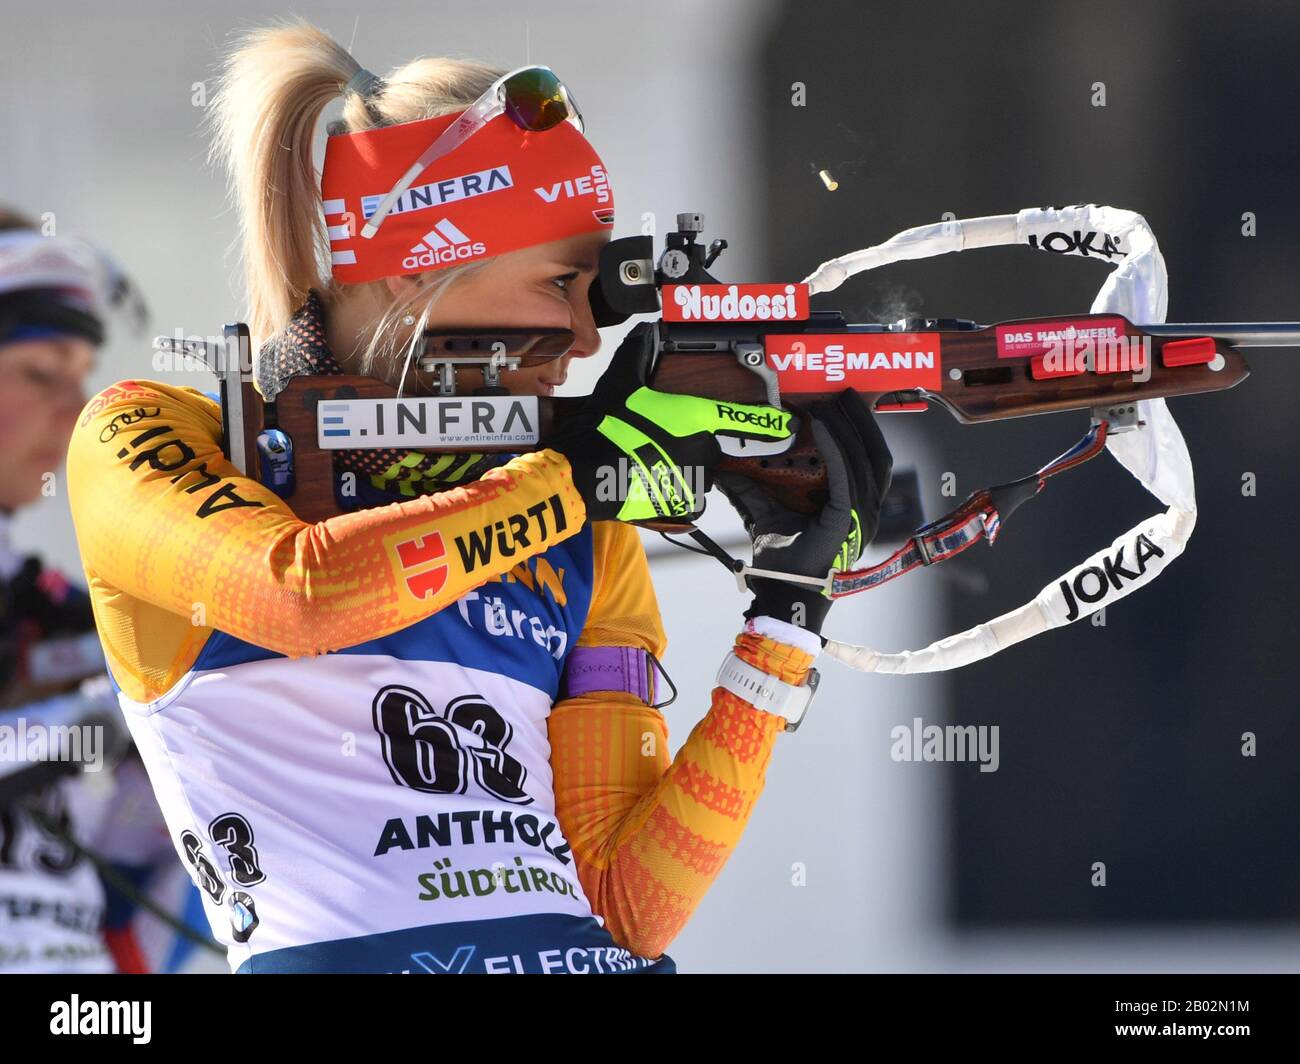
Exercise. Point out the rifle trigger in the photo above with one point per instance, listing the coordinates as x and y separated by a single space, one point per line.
736 447
753 357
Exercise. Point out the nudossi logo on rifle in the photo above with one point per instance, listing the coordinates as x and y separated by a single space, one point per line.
735 302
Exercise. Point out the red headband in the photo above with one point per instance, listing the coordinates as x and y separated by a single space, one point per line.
503 189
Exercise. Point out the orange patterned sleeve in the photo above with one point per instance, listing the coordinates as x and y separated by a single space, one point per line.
176 542
650 834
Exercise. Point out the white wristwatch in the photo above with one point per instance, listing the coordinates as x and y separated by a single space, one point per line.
764 691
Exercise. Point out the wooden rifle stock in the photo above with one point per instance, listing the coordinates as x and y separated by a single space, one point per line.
976 379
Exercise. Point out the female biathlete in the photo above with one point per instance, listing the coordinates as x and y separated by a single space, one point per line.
420 736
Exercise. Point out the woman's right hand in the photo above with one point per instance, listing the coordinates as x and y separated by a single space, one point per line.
642 455
859 468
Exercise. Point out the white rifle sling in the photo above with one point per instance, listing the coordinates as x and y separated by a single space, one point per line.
1154 452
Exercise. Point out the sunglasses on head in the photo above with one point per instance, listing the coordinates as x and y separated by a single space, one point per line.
533 97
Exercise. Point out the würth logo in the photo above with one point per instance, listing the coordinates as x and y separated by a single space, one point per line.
442 244
416 560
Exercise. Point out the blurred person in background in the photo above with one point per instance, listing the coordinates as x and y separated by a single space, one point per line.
54 912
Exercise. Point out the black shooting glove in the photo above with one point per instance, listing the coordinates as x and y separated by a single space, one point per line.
858 469
642 455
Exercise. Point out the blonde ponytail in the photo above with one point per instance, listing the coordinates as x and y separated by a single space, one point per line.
273 89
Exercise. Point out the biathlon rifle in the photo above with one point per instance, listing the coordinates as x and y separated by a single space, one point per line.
737 343
764 344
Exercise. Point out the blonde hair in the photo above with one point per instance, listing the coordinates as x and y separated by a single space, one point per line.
274 86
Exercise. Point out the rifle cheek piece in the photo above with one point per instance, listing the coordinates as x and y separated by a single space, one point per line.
628 280
625 282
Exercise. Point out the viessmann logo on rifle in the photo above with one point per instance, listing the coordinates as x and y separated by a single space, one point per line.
469 421
868 362
735 302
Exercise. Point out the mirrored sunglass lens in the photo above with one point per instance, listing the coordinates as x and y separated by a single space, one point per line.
536 100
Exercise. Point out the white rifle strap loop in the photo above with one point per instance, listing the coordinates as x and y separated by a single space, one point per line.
1155 452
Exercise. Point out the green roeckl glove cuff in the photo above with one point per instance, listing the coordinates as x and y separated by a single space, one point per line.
642 455
658 478
858 471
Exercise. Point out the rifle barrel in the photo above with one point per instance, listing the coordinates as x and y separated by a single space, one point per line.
1239 334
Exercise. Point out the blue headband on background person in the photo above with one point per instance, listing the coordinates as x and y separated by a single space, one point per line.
44 313
37 332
